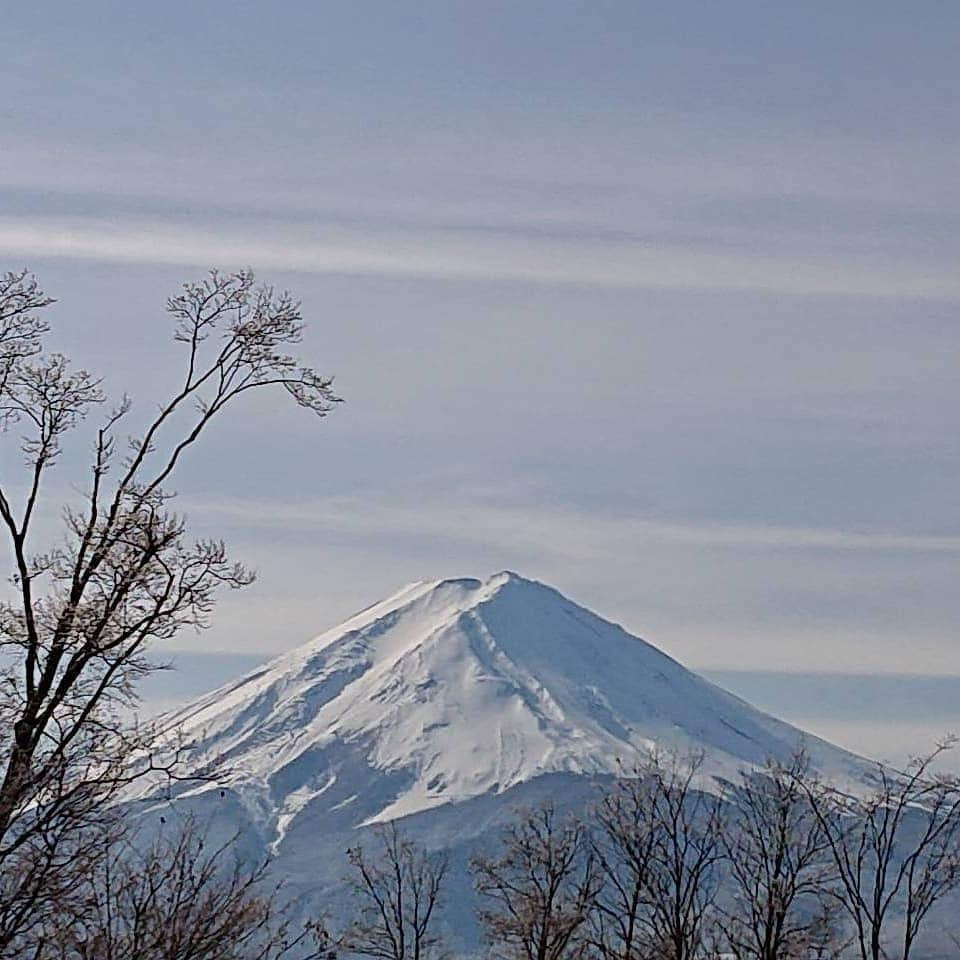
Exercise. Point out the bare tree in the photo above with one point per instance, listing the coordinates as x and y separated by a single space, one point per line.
176 900
624 845
77 622
780 869
687 823
540 888
399 891
21 327
896 851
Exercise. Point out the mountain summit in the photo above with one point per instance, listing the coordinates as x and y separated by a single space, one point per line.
458 689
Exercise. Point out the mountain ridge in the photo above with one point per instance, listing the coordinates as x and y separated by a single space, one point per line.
452 689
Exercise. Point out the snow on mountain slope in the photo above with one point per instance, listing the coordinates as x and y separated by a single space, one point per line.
458 689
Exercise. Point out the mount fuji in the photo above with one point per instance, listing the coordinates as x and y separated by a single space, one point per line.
447 705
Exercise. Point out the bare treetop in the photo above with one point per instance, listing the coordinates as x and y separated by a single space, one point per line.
20 326
255 326
125 572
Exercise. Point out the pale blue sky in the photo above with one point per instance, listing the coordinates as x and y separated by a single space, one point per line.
655 302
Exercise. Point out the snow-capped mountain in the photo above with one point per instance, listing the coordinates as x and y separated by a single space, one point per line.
456 688
446 704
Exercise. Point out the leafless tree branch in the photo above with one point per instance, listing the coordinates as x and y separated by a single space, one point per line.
398 889
540 889
82 614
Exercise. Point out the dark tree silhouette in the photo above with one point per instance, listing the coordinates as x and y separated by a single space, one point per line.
398 891
539 890
81 613
174 898
684 878
624 845
895 850
781 875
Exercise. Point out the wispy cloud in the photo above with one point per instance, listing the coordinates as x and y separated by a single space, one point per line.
459 255
713 595
564 533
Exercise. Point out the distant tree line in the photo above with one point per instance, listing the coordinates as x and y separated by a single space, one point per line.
777 865
667 864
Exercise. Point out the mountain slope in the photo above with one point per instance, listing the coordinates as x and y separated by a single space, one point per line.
458 689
